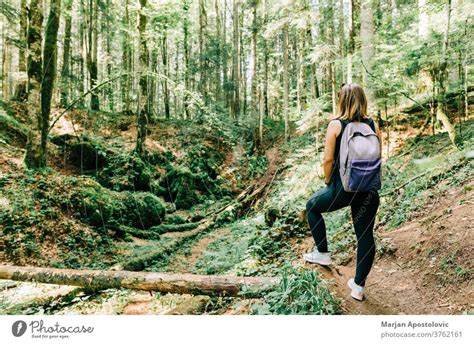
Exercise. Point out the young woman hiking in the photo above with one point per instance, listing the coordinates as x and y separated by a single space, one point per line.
362 135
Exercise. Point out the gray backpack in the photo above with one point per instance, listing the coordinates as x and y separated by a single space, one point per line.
359 158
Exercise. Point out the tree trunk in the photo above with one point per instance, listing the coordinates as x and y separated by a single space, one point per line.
108 45
65 71
21 85
301 85
149 281
202 55
23 33
164 56
442 80
187 83
351 43
236 62
332 65
285 82
6 60
49 74
126 60
218 61
34 70
92 51
143 56
368 51
253 93
82 54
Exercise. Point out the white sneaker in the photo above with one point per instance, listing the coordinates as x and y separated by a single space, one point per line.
318 257
357 291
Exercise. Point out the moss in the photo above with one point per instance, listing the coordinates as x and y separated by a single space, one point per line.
98 206
165 228
11 130
181 185
128 172
82 152
95 206
175 219
143 210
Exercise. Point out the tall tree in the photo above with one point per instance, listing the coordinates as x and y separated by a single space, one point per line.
236 61
286 90
91 51
187 79
35 75
49 74
23 33
126 59
253 93
202 48
368 49
143 57
351 40
65 71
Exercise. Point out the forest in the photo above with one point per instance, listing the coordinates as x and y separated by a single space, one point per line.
157 155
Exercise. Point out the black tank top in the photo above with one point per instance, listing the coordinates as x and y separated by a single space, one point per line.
335 170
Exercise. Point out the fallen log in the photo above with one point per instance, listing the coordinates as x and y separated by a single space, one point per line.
149 281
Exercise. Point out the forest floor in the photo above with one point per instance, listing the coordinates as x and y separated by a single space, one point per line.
424 262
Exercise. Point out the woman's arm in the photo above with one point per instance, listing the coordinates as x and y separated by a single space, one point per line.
333 130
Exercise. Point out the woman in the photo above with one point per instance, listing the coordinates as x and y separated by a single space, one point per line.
352 107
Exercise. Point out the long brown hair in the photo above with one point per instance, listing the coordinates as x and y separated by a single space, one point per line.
352 103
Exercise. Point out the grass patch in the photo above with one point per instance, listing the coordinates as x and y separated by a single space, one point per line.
300 291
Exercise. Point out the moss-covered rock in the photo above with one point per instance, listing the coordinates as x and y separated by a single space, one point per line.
181 185
95 206
143 210
100 207
128 172
83 152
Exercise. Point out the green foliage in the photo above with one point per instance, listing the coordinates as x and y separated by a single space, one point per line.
187 188
227 251
180 185
269 242
128 172
99 207
142 210
12 131
300 291
428 160
182 227
35 226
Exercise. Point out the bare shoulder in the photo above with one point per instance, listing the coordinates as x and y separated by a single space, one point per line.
334 127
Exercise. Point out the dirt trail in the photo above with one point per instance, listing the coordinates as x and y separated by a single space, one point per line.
431 269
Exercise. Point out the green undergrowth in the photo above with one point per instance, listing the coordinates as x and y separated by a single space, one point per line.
73 218
226 252
300 291
11 130
425 166
185 182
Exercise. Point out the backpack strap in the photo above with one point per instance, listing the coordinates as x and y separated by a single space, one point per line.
371 123
343 125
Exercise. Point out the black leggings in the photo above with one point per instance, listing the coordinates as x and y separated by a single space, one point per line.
364 206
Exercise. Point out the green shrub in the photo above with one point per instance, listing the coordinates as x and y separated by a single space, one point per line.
128 172
300 291
98 206
143 210
181 184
